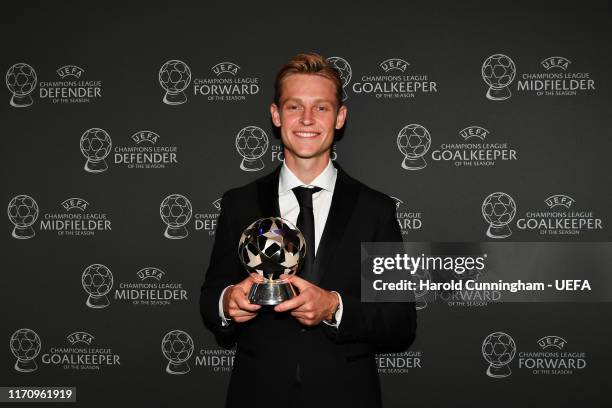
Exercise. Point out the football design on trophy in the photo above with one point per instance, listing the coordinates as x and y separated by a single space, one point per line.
413 141
22 212
498 349
177 347
95 146
25 346
251 144
498 71
21 81
269 248
174 77
97 280
498 209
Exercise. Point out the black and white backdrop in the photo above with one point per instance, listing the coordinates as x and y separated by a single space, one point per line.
122 125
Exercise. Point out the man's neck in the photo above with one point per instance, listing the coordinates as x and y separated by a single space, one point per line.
307 169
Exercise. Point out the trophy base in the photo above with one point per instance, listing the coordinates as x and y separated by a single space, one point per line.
270 293
178 98
499 94
499 232
414 164
26 366
97 302
95 166
498 371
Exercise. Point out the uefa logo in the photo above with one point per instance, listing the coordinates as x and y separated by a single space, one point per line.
97 280
22 212
498 71
413 141
498 349
174 77
345 71
21 81
177 347
176 211
498 209
95 145
251 143
25 346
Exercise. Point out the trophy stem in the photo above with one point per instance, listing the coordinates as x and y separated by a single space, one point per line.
270 293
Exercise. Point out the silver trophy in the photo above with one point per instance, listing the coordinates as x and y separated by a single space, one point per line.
271 250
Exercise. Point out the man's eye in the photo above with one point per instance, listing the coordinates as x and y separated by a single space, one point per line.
322 108
292 107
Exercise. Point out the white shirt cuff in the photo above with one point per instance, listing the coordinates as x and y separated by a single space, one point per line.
224 321
338 315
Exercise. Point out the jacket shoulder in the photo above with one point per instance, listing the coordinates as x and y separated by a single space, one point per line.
371 196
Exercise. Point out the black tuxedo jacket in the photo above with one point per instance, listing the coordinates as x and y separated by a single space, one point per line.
337 366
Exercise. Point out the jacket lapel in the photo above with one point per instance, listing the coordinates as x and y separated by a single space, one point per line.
267 194
342 207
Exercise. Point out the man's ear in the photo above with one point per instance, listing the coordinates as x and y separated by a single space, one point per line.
275 115
341 116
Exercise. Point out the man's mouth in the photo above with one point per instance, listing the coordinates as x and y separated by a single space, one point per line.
306 134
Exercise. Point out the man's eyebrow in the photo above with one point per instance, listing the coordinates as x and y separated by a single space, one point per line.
315 101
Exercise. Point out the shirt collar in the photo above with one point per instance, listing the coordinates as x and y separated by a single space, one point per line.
326 180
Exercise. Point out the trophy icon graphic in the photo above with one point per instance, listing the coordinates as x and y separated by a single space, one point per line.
498 209
95 146
22 212
21 81
25 346
174 77
175 210
498 71
251 144
413 141
498 349
269 248
345 71
177 347
97 280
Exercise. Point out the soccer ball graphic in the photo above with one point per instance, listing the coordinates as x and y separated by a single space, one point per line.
177 347
25 346
498 349
175 210
345 71
95 146
251 144
22 212
174 77
21 81
498 209
97 281
413 141
498 71
271 247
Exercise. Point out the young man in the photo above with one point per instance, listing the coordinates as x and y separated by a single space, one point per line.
316 349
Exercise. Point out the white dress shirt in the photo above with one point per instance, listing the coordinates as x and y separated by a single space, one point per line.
290 209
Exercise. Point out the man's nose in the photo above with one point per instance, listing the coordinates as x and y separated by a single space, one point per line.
306 118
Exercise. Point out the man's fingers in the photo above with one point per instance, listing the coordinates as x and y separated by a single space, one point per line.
292 303
303 315
240 312
244 304
300 283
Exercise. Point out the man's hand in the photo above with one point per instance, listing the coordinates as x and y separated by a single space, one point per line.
236 305
312 305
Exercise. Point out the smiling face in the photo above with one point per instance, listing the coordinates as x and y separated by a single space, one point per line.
308 116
